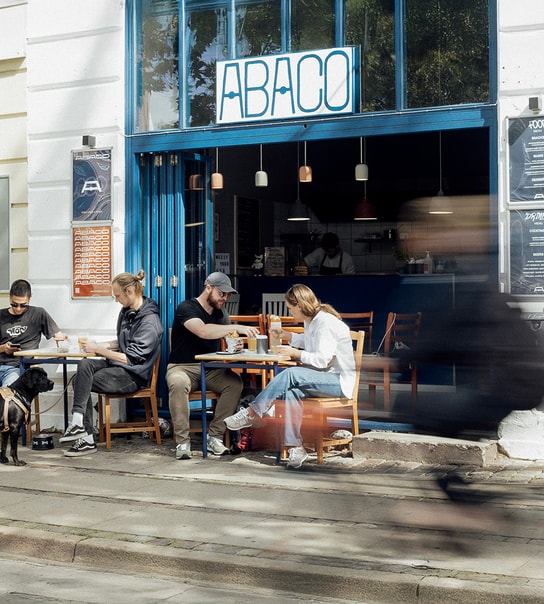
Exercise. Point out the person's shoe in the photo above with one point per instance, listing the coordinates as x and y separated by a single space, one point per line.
183 451
73 432
239 420
81 447
216 447
297 456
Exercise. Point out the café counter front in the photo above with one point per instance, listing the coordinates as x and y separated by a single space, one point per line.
379 292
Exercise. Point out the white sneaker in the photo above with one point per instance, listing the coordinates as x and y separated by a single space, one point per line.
297 456
216 447
239 420
73 432
183 451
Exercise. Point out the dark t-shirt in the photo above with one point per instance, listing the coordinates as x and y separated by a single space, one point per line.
25 330
186 344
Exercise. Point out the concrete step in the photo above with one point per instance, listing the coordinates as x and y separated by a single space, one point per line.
422 448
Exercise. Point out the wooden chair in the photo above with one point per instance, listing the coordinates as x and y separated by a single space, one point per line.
274 304
151 423
402 330
358 321
318 410
196 396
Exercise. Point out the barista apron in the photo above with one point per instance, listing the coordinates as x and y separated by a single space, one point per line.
331 270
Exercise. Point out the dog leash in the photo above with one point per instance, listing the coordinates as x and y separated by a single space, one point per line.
9 396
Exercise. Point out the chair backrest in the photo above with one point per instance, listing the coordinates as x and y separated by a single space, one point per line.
358 340
232 305
358 321
274 304
155 373
401 330
255 320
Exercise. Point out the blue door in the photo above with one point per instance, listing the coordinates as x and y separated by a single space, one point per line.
177 226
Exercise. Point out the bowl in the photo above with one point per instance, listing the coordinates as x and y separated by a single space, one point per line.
42 442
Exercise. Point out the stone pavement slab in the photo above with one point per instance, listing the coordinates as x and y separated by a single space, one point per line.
370 530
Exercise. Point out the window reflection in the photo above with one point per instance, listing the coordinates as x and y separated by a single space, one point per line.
447 52
158 59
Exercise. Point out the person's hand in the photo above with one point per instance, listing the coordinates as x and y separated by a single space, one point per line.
11 348
248 330
292 353
60 337
89 346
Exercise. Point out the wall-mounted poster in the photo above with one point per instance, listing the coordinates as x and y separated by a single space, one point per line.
91 258
527 252
526 154
91 185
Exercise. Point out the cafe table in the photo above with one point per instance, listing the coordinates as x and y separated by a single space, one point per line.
53 356
240 360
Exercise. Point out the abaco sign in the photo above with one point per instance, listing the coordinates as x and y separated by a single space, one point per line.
294 85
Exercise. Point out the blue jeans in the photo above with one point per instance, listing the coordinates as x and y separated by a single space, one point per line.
97 375
293 385
8 374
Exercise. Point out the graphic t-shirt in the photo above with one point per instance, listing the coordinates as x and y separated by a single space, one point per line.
25 330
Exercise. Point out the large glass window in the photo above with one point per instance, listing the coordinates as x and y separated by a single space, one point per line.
441 59
447 52
158 78
370 25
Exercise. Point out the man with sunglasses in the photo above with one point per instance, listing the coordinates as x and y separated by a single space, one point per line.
21 328
198 327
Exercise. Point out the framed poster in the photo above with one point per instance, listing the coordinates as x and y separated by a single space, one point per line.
91 185
527 252
247 232
91 261
526 159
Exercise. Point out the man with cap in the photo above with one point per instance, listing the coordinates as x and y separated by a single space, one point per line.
198 327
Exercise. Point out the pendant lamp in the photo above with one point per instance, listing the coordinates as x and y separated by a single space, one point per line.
440 204
195 182
365 210
305 171
298 211
217 177
361 169
261 177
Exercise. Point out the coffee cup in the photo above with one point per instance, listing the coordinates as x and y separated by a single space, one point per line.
262 344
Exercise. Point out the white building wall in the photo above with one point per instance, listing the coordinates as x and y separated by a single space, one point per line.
76 87
13 135
520 76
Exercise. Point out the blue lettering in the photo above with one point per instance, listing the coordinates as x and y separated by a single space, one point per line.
286 87
335 69
315 78
261 88
231 94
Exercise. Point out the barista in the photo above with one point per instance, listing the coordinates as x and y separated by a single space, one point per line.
329 258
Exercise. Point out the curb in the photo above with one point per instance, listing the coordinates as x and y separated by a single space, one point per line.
380 582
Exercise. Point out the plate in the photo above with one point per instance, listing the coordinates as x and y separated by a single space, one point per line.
226 352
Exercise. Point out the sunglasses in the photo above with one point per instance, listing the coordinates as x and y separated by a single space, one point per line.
225 295
16 305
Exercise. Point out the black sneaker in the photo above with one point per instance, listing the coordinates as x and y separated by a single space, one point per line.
73 432
81 447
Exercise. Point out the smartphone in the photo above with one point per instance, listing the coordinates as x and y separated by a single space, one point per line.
16 346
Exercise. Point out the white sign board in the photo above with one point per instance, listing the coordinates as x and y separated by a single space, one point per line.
294 85
222 262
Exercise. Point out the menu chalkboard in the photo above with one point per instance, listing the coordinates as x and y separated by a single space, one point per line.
527 252
247 231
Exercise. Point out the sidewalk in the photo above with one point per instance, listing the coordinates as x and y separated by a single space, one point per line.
363 530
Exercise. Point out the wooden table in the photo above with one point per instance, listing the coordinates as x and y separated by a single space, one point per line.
241 360
53 356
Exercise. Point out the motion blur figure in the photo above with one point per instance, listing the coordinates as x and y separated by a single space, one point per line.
498 364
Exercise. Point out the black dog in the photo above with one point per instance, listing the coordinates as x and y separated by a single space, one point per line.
24 389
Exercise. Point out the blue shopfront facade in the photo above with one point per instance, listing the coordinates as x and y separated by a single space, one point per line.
414 70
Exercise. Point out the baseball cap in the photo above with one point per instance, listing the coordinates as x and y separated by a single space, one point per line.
221 281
